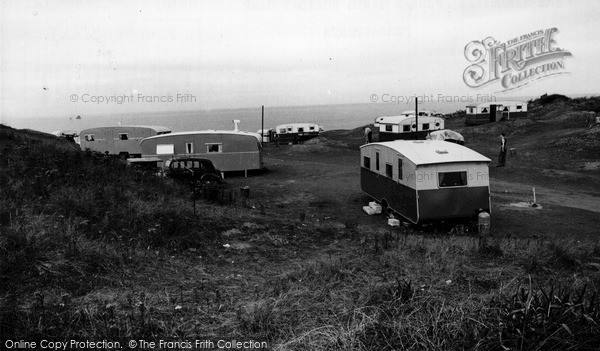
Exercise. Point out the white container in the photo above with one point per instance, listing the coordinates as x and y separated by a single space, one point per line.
369 210
394 222
374 205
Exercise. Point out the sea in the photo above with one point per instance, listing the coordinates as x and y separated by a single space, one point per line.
330 117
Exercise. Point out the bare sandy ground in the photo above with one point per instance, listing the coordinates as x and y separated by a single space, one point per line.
513 191
325 186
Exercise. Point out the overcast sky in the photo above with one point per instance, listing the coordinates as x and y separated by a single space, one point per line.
233 54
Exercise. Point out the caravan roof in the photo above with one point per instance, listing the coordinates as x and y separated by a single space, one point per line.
421 113
503 103
157 129
256 135
298 125
422 152
402 118
60 133
443 134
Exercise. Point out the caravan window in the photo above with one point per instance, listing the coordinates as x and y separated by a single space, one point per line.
389 170
212 148
165 149
519 107
388 128
311 128
189 148
399 169
289 129
406 128
282 130
89 137
377 161
367 162
452 179
300 130
425 126
123 136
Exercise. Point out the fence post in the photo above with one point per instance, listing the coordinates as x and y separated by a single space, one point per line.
483 226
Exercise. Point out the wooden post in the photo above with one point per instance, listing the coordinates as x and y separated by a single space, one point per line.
534 204
483 221
262 126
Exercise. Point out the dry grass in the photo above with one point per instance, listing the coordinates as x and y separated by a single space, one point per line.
91 250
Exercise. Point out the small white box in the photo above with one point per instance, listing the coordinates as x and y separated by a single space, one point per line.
369 210
394 222
374 205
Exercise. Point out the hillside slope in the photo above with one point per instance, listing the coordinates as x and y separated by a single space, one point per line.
91 250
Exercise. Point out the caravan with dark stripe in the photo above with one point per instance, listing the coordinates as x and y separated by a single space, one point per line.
405 126
495 111
426 180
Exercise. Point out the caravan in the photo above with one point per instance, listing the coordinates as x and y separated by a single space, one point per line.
118 140
296 132
405 126
426 180
229 150
495 111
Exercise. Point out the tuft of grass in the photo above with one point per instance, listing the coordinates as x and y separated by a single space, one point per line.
561 256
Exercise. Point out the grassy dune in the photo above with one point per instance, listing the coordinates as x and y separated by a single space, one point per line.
92 250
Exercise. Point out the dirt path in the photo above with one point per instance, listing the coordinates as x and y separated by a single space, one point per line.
512 191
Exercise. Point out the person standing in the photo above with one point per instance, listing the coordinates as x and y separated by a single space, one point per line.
502 156
368 135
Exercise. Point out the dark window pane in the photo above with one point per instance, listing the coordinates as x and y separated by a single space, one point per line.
399 168
450 179
389 170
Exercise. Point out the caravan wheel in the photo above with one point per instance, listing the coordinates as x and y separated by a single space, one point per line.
211 179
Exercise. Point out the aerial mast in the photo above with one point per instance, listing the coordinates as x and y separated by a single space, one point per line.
416 116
